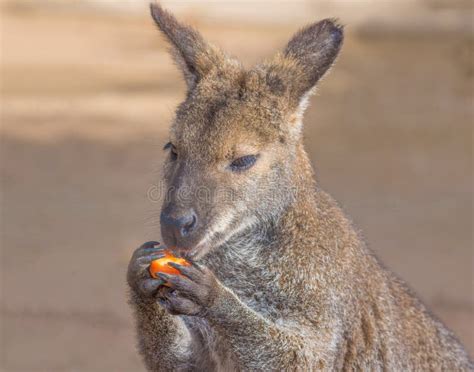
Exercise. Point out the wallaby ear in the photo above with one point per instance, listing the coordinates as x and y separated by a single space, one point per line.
306 58
191 52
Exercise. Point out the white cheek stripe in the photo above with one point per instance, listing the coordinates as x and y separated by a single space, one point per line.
220 226
244 225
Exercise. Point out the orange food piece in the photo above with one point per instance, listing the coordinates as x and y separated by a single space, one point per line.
161 265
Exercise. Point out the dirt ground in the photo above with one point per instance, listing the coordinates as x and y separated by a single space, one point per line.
86 103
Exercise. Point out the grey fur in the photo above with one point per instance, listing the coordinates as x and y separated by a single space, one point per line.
283 281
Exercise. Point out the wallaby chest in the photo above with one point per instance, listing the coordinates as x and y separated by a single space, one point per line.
250 279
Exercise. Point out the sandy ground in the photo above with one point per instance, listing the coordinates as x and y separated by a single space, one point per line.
86 102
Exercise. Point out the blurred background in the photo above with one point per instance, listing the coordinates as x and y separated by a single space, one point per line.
87 93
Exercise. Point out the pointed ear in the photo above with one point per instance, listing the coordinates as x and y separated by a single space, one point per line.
306 58
193 55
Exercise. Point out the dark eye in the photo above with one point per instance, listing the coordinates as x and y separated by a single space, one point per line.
243 163
173 151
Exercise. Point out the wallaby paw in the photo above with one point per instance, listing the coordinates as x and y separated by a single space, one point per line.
138 277
191 293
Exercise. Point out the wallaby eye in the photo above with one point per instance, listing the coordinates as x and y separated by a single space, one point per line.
173 151
243 163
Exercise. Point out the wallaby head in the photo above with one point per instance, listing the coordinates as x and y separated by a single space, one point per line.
235 147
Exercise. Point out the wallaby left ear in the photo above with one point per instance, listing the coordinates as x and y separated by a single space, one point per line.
307 57
192 53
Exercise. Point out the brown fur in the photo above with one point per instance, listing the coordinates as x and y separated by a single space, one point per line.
281 280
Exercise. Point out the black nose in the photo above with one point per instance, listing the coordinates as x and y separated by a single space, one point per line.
182 225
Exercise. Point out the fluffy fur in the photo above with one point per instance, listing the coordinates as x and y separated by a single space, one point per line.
281 281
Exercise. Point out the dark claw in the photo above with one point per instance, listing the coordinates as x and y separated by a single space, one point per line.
154 249
185 270
164 276
145 260
149 244
153 257
176 265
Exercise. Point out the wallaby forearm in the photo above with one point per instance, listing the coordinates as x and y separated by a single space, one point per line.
269 348
161 338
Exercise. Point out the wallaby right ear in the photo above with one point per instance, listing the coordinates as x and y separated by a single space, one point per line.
305 60
192 53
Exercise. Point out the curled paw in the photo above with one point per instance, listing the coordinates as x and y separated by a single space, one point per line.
138 276
190 293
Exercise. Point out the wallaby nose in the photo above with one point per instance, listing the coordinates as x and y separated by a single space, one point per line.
181 225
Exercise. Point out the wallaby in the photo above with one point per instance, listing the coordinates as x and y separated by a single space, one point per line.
279 279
